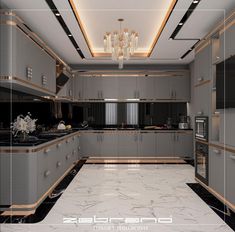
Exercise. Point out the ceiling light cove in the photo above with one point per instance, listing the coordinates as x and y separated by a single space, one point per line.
148 18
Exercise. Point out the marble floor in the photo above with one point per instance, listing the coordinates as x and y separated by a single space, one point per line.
131 197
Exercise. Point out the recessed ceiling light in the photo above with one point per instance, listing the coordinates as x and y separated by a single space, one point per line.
180 24
195 2
57 14
70 35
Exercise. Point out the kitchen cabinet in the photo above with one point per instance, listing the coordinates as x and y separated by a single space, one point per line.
93 88
27 177
90 144
110 87
127 88
183 144
79 88
180 88
202 99
145 88
147 144
127 144
230 173
202 64
216 170
109 144
28 64
67 91
165 144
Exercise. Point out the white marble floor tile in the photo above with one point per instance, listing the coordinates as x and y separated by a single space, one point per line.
131 192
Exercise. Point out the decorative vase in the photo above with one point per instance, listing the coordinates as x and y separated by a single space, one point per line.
23 136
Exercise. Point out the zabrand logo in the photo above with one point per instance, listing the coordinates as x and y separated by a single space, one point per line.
113 220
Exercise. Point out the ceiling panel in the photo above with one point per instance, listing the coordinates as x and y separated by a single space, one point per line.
203 19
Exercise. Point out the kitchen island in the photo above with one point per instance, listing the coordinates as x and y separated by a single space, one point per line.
30 172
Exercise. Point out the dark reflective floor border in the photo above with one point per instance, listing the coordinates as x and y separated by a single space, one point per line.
218 207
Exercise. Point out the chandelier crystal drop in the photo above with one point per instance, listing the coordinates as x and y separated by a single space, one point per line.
121 44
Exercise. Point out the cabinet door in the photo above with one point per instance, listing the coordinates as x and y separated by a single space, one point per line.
203 65
110 87
90 144
202 100
184 144
109 144
230 174
147 144
181 88
127 88
162 88
79 88
216 170
93 88
165 143
145 88
127 144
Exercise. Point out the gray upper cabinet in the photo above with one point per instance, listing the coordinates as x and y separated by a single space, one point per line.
202 99
127 88
202 63
110 87
79 88
145 88
147 144
180 86
93 88
28 62
184 144
162 90
67 90
230 173
227 47
216 170
165 144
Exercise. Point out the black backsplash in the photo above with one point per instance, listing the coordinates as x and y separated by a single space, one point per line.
94 113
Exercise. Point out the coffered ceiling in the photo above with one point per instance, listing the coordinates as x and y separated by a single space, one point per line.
88 20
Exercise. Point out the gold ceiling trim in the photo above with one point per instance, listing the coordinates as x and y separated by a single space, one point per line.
137 54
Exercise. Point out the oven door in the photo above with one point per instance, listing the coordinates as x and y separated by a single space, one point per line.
201 164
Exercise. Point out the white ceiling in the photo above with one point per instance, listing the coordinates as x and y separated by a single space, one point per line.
99 16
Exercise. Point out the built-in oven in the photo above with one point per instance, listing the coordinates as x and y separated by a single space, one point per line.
201 128
201 162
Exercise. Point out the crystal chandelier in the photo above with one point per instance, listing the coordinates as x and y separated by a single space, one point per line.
121 44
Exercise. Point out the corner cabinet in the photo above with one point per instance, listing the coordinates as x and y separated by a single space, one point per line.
29 67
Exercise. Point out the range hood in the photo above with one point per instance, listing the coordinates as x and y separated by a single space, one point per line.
62 79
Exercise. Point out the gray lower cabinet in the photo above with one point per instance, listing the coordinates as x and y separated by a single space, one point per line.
109 144
127 144
184 144
90 144
147 144
216 170
230 174
165 144
27 177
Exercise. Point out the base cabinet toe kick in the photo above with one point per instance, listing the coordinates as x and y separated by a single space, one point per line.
29 174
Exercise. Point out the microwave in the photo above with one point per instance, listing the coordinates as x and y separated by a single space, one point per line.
201 128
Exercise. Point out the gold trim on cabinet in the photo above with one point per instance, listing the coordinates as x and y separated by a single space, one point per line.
221 147
202 83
